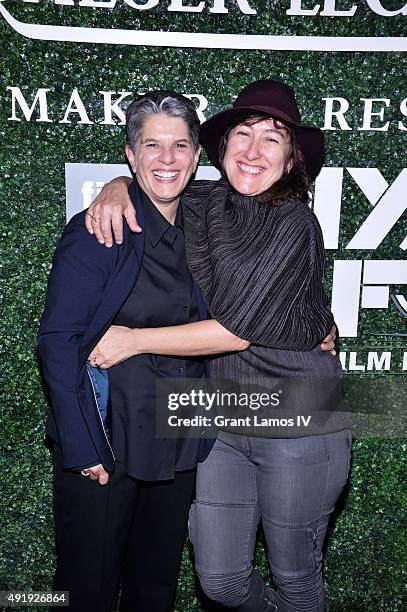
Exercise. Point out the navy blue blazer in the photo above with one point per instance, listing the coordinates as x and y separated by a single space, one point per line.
87 286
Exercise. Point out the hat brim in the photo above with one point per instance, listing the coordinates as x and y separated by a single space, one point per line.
310 139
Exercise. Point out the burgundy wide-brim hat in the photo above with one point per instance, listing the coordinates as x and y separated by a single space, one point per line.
270 98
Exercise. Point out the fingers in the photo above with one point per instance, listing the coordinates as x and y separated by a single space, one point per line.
102 478
107 215
102 225
93 361
131 219
328 345
96 473
329 342
117 225
96 360
88 222
93 219
101 220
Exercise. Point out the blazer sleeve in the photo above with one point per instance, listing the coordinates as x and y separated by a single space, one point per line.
80 272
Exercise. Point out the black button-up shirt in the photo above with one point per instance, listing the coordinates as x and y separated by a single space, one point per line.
162 295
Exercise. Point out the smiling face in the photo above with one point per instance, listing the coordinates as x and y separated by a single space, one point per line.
256 156
163 159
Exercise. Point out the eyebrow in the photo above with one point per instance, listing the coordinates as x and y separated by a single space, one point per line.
280 131
143 140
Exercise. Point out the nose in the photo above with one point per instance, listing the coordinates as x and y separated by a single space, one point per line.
167 155
252 150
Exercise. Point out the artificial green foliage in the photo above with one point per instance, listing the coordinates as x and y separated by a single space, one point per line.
365 562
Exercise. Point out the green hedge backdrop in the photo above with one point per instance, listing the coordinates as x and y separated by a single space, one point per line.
365 565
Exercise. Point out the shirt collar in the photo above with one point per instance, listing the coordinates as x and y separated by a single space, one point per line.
156 224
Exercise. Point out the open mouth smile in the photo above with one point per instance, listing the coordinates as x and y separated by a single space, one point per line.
254 170
166 175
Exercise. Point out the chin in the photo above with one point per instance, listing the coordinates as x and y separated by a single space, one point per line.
247 191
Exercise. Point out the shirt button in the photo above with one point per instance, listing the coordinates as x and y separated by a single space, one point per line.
180 370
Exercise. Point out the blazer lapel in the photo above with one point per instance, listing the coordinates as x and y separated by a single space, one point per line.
123 280
138 239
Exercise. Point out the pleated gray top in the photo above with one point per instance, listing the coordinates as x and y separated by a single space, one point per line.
260 269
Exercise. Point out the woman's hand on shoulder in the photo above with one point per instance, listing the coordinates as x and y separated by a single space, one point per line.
107 212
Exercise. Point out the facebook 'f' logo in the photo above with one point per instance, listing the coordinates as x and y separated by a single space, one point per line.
84 181
89 191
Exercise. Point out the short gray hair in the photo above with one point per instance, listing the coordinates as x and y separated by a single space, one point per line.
160 101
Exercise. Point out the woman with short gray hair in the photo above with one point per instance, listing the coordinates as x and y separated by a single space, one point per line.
128 525
169 103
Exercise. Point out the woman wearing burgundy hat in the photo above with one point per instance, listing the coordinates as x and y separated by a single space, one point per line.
256 251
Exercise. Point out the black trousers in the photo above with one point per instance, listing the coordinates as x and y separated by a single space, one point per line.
128 530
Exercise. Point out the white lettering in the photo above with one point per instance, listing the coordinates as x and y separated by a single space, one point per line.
353 365
113 107
338 114
210 398
330 10
183 399
220 8
89 191
347 288
296 9
370 181
403 109
302 420
65 2
40 97
384 215
374 362
369 113
143 7
400 302
75 105
377 7
346 281
385 272
327 204
98 3
203 104
375 296
177 5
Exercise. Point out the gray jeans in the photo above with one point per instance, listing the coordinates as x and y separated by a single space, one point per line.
291 486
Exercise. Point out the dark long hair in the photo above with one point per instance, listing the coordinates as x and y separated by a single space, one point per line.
294 182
